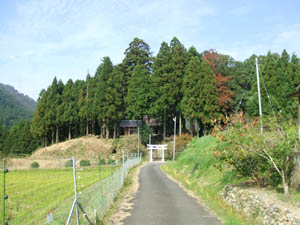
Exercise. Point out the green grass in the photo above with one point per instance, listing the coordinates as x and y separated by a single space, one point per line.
34 193
195 170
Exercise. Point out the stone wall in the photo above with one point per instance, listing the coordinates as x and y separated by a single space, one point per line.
265 210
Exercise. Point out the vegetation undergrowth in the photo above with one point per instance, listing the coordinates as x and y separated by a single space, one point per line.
195 170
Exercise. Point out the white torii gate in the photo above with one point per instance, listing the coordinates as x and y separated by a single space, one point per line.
162 149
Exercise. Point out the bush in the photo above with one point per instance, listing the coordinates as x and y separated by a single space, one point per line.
85 162
144 133
111 162
266 158
101 162
69 163
35 165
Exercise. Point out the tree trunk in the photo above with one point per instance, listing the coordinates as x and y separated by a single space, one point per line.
118 131
115 129
192 126
87 128
103 129
180 125
165 125
52 137
93 127
285 183
57 134
70 132
106 132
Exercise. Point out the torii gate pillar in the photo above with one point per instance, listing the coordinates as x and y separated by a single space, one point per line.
162 149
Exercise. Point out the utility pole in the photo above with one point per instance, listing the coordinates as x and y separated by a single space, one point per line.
174 119
259 98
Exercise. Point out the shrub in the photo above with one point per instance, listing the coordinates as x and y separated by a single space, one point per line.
111 162
85 162
266 158
35 165
144 133
101 162
69 163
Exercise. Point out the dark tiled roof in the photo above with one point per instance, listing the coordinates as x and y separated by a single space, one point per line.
131 123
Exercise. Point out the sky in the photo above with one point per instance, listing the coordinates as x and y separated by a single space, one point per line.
41 39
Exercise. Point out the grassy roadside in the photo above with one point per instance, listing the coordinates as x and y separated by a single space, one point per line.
196 172
128 183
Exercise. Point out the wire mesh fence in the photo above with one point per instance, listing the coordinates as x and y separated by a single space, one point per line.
46 196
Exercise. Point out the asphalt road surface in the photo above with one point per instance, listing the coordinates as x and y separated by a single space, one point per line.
160 201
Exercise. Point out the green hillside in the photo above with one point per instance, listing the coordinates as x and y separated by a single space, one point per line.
14 105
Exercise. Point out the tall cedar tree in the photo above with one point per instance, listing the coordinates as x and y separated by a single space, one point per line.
200 93
69 116
161 85
139 94
178 61
84 109
38 126
51 106
102 75
114 98
192 86
208 96
59 109
138 53
224 93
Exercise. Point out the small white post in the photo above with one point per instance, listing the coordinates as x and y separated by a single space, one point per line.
150 154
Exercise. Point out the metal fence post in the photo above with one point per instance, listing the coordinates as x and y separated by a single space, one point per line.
75 190
4 194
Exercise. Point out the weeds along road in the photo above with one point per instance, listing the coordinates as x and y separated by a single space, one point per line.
160 201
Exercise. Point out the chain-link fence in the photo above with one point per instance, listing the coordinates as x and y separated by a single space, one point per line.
46 196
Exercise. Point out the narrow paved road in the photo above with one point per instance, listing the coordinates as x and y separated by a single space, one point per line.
160 201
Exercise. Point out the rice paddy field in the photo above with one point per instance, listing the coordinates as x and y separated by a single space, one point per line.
33 194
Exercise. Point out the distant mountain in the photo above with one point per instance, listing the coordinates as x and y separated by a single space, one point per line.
14 106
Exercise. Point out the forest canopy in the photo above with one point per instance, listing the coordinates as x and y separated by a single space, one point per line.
199 88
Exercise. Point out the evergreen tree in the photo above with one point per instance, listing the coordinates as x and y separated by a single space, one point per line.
38 126
83 104
200 93
114 98
209 96
20 140
139 94
273 73
51 108
3 137
161 84
178 61
102 76
294 70
59 109
69 116
244 75
138 53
